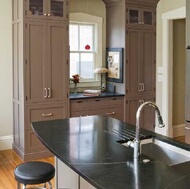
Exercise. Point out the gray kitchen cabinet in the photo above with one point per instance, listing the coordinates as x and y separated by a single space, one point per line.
111 106
46 61
141 62
40 76
47 9
137 36
143 17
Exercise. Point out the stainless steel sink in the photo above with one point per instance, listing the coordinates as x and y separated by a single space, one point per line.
164 152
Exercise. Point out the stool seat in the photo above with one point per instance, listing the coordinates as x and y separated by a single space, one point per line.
34 172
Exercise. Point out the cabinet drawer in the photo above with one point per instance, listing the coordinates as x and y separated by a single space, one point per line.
46 114
97 103
79 104
84 113
115 101
43 113
117 112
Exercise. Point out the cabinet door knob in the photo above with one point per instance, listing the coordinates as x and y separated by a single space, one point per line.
45 14
47 115
49 14
46 93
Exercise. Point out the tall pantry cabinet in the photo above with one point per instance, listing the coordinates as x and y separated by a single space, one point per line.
40 70
131 24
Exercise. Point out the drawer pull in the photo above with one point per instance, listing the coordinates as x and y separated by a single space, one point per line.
47 115
188 128
49 92
79 101
114 98
46 91
97 100
110 113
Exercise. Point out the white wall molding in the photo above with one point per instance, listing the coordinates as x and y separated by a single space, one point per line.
6 142
167 63
178 130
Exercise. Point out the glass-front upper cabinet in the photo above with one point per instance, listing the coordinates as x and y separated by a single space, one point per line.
140 17
47 9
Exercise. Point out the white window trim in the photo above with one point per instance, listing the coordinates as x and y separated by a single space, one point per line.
98 21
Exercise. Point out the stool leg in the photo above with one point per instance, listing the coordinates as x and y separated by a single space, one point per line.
50 184
18 185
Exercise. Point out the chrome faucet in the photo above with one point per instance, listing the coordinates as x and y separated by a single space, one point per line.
137 138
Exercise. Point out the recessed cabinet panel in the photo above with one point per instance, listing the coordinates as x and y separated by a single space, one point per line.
33 143
35 61
58 57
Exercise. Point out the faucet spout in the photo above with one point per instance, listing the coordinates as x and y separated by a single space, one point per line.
137 138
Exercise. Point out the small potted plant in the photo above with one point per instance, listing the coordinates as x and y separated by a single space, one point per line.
75 79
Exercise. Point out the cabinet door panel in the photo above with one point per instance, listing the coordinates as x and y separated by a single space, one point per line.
147 117
35 61
33 144
58 58
133 52
148 65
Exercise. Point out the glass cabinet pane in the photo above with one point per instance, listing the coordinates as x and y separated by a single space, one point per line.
36 7
133 16
147 17
56 8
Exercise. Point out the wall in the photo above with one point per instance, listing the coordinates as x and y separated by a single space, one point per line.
5 74
165 7
179 71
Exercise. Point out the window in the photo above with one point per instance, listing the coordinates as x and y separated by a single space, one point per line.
85 29
82 50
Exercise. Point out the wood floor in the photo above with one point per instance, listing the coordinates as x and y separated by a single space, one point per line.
9 160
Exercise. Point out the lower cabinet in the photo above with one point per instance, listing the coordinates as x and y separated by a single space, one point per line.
111 106
67 178
26 143
147 118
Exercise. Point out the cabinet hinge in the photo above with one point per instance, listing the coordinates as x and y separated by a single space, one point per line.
126 101
26 62
25 25
26 98
67 28
127 10
67 16
126 90
67 62
126 61
126 32
67 3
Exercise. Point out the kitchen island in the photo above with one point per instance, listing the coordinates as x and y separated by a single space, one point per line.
92 148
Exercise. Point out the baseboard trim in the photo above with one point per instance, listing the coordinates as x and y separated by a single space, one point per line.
178 130
6 142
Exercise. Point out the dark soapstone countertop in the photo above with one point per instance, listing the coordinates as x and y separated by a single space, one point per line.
76 96
89 145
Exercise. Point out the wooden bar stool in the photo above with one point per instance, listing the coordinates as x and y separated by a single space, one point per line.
35 172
